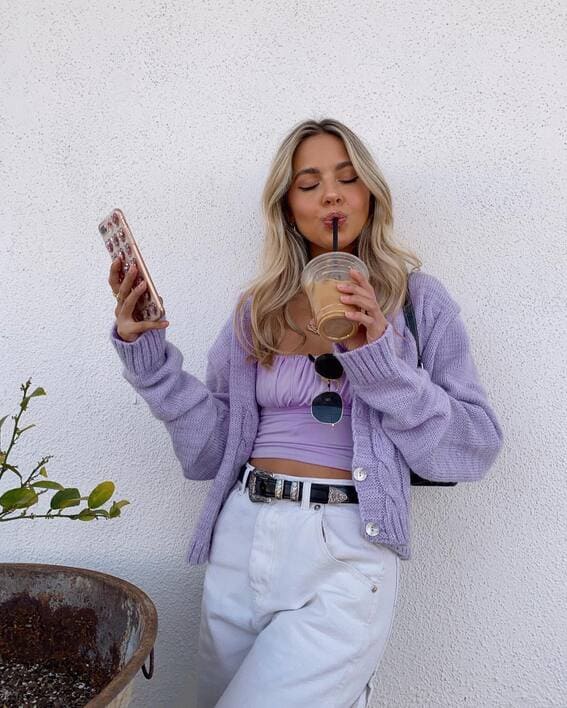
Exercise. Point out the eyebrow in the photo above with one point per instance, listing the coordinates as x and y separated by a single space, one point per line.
315 171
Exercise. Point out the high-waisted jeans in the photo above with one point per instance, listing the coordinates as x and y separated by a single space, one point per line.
297 605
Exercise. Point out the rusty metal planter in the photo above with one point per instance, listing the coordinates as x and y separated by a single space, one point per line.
118 620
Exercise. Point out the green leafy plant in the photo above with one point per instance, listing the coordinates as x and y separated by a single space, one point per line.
16 502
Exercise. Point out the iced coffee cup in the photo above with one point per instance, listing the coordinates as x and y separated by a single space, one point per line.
319 280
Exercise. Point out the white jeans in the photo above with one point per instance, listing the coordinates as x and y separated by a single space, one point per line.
297 606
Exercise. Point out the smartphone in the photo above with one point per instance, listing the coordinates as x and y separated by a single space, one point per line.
118 239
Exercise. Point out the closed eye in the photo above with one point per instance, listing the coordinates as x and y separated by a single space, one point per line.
344 181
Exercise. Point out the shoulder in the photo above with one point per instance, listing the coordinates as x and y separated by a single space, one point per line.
431 299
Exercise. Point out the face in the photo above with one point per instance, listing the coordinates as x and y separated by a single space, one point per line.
328 186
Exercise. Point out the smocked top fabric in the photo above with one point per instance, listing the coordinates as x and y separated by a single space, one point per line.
286 428
293 382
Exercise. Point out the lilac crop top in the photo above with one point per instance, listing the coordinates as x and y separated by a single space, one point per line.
286 427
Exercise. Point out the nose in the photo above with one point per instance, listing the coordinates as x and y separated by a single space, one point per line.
332 198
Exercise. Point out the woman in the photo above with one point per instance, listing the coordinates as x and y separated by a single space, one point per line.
305 522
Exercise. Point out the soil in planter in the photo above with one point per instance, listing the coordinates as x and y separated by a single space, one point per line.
47 655
27 685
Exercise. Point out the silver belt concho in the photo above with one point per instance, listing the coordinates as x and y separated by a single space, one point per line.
279 490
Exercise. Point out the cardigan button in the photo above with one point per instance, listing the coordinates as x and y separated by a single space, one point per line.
372 529
360 474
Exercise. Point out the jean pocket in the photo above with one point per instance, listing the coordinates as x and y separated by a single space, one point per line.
343 544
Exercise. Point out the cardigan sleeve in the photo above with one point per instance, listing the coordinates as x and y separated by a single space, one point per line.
195 415
438 417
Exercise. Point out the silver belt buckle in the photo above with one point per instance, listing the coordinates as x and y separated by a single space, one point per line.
254 475
337 496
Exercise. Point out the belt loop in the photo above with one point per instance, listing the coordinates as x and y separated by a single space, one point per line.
247 471
306 494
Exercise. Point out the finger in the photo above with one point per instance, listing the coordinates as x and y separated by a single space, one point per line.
364 283
144 325
362 301
132 298
352 288
361 280
159 324
114 275
126 286
140 327
366 320
357 275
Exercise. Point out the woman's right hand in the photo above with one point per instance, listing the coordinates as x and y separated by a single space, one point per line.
128 329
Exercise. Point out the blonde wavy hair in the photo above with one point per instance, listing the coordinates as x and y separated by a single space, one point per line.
286 252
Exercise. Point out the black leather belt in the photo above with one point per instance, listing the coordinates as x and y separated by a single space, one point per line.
263 487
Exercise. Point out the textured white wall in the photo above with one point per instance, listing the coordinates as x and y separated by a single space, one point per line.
172 111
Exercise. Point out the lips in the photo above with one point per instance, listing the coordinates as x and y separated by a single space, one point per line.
328 220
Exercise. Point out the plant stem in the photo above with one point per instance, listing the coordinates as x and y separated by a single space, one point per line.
40 516
42 462
13 440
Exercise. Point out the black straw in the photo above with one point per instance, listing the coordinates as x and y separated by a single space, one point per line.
335 234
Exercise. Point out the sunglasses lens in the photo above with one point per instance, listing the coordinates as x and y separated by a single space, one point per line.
328 366
327 407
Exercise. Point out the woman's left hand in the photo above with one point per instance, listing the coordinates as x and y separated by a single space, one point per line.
372 323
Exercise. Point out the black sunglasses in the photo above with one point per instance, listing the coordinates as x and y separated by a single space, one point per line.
327 407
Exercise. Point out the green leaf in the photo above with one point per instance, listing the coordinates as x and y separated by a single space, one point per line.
39 391
66 498
101 494
2 420
11 467
20 498
86 515
115 508
23 430
48 485
43 472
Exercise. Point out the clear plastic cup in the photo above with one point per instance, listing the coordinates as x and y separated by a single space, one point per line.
319 281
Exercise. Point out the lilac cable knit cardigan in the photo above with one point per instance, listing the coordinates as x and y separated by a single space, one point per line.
436 420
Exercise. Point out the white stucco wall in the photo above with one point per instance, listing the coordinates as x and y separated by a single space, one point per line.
173 111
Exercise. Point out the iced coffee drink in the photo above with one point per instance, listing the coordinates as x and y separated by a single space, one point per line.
319 280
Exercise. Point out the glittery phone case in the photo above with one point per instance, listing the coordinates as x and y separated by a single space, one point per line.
118 239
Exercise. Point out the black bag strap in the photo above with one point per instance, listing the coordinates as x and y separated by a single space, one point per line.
409 316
